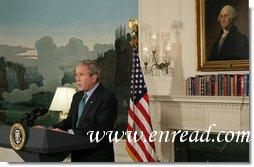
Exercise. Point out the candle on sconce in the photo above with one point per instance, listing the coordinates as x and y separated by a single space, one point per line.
145 57
154 41
155 47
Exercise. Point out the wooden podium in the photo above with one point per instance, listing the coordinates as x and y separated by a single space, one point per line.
44 145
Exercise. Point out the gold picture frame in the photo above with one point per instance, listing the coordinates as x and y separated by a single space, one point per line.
203 64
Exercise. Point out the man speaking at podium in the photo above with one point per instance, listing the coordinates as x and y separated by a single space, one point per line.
93 108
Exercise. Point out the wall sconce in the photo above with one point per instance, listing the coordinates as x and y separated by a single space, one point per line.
157 54
62 101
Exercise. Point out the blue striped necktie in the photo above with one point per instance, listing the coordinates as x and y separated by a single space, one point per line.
82 104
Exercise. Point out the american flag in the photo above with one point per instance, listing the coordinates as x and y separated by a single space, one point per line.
139 120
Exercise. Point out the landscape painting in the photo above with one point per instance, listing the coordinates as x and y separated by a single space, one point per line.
42 41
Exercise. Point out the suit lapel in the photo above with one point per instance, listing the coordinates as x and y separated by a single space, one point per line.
90 103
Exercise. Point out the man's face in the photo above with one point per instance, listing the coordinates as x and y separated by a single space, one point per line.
84 81
225 19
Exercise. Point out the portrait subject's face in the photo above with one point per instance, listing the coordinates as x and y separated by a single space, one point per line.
225 19
84 81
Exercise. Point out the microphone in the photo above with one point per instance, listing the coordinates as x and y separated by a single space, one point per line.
37 111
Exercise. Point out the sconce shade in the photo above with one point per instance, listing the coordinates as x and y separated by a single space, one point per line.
62 99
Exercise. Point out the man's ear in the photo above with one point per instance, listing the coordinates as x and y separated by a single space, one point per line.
94 78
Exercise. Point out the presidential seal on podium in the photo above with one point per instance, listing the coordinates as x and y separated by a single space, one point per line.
17 136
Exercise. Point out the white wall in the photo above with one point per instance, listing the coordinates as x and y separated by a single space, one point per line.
159 15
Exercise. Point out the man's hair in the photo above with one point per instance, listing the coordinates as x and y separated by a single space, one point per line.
93 69
231 10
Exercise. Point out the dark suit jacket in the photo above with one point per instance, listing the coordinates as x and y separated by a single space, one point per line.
99 115
235 47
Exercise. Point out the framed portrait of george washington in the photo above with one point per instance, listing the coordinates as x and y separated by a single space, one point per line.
222 35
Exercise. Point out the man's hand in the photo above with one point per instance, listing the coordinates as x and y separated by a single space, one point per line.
39 126
59 130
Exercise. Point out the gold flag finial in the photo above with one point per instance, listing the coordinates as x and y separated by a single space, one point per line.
133 25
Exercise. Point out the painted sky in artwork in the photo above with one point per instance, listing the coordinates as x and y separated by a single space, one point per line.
93 21
53 35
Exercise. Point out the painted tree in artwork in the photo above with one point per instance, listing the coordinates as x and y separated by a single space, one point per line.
120 32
